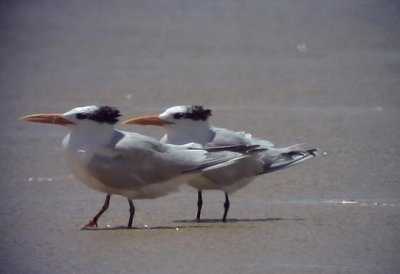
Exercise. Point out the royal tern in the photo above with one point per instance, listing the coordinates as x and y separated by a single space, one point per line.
124 163
186 124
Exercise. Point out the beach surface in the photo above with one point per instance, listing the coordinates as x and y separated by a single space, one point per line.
316 72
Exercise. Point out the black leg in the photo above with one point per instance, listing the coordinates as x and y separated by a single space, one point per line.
226 206
199 204
131 212
93 222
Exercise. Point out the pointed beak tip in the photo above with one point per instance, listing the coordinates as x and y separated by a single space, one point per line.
27 118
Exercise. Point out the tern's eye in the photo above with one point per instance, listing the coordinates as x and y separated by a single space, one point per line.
81 116
179 115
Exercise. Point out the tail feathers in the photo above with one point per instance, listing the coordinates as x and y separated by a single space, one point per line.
234 148
313 151
294 148
289 159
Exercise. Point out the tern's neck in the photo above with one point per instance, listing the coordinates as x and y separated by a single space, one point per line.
186 133
96 134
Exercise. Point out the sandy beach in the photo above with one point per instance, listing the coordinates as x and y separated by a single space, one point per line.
315 72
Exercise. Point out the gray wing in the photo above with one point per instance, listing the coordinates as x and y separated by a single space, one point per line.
272 158
132 161
225 137
279 158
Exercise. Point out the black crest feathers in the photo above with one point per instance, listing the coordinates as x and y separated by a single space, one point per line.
195 113
103 114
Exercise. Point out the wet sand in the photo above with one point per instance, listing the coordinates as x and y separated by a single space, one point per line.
325 74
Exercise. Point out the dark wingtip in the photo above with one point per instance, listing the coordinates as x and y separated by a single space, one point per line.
313 151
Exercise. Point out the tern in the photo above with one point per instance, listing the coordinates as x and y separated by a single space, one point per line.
186 124
125 163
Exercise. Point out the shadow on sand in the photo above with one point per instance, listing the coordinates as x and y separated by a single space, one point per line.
246 220
200 224
165 227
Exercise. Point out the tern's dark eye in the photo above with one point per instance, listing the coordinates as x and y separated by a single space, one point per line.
179 115
81 116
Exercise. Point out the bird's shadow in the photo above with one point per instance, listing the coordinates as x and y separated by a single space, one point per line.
160 227
200 224
234 220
